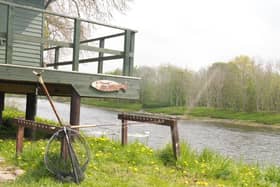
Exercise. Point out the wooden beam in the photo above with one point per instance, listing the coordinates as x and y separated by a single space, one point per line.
80 82
102 38
75 109
64 44
9 87
88 60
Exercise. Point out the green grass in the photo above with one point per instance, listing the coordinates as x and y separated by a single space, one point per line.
138 165
258 117
175 110
121 105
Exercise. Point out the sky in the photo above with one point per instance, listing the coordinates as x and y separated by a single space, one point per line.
194 34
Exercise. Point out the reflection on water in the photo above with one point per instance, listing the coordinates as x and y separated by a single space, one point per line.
239 142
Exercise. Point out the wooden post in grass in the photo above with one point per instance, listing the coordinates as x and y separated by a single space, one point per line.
2 105
124 132
175 139
19 140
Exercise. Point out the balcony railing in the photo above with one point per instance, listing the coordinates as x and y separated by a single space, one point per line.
76 44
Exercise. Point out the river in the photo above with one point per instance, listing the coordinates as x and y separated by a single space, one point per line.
251 144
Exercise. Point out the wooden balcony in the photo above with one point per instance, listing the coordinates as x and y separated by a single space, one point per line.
23 46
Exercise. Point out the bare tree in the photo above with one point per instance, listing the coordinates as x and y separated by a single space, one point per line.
94 9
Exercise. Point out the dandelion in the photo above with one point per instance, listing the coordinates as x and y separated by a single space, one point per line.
156 168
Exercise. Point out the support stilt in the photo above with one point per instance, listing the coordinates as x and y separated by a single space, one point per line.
30 112
75 109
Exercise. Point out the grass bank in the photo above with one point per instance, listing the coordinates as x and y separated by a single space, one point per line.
270 118
137 165
121 105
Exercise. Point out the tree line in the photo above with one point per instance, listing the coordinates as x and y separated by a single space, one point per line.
240 84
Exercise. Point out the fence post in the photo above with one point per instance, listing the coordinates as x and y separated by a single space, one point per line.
175 139
19 140
124 132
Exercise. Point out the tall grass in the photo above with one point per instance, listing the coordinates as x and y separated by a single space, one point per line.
138 165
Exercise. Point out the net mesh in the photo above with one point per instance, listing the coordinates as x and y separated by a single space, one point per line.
67 155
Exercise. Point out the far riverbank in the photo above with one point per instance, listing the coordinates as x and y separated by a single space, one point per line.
256 119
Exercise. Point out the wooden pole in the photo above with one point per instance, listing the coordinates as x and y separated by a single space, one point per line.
19 140
175 139
124 132
2 106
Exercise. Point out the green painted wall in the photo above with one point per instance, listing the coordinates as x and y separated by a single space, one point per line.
25 23
3 29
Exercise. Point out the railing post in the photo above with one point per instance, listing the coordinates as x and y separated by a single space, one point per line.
56 57
131 53
100 60
127 38
10 33
76 44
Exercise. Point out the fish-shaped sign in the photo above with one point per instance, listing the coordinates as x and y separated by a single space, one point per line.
108 86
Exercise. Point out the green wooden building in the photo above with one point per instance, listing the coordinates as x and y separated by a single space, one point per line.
22 48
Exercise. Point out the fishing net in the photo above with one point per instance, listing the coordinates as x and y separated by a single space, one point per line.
67 155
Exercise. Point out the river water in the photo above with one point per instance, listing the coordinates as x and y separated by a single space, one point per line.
251 144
